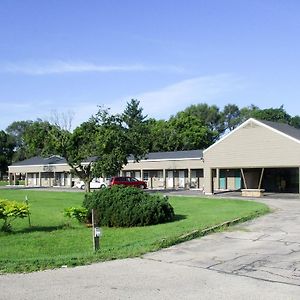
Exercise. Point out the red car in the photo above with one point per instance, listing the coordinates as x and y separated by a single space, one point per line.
128 181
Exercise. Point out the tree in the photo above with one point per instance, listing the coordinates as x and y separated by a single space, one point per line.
98 147
7 146
120 136
17 130
232 116
295 121
268 114
36 137
248 112
136 128
210 116
189 133
160 133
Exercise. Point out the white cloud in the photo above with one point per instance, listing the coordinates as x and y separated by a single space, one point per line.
172 98
163 102
60 67
159 103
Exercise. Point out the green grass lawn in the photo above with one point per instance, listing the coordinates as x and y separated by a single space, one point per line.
49 243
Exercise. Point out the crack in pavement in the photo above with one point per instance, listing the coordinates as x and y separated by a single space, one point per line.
227 273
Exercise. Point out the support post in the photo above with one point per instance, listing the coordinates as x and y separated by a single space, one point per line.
174 172
164 176
245 183
70 179
299 180
40 179
26 179
208 181
218 178
15 179
261 177
96 234
189 178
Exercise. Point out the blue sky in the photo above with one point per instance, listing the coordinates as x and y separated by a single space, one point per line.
74 55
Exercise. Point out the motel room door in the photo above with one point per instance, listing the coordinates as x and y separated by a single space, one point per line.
181 179
170 181
222 180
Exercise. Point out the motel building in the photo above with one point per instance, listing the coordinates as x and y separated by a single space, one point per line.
256 157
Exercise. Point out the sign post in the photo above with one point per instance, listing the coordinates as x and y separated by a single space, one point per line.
27 203
96 234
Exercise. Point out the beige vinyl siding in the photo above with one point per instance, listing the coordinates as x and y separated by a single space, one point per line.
36 169
164 164
253 145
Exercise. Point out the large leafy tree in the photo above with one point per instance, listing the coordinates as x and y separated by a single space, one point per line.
188 133
232 116
98 147
17 130
295 121
136 128
181 132
160 133
272 114
269 114
210 116
37 139
7 146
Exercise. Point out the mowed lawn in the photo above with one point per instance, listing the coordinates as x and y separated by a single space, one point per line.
51 242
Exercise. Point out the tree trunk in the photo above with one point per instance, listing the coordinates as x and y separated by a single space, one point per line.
87 186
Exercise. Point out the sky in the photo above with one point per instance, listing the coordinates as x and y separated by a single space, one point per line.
72 56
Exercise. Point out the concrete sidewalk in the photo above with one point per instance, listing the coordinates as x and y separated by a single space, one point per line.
256 260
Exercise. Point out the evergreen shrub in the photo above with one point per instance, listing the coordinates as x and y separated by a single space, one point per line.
120 206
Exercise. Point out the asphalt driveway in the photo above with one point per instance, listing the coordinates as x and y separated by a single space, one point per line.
256 260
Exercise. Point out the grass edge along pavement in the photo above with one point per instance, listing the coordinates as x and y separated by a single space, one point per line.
52 243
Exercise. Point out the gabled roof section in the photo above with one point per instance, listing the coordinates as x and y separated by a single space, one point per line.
52 160
284 128
280 128
38 161
190 154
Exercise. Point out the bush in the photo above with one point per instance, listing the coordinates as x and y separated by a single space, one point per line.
78 213
11 210
127 206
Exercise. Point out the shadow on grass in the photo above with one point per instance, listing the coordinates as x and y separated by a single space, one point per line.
41 228
179 218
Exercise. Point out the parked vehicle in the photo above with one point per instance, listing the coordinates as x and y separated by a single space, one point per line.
128 181
94 184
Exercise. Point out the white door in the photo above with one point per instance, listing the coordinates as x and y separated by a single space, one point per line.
137 175
181 179
62 179
170 181
34 179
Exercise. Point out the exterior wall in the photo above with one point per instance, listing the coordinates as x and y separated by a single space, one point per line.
160 174
164 164
37 169
174 178
229 179
253 145
45 175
